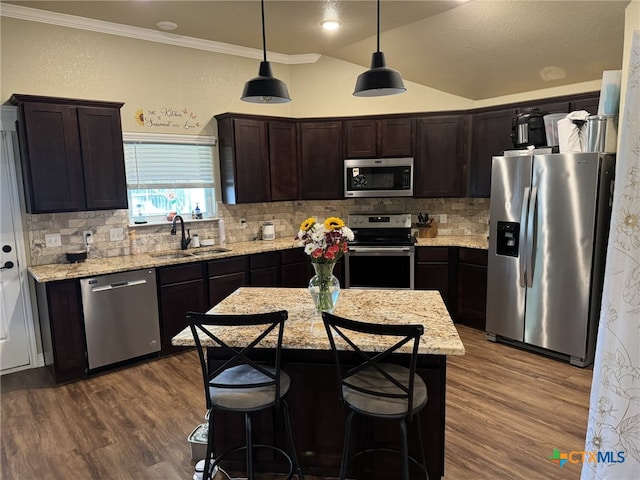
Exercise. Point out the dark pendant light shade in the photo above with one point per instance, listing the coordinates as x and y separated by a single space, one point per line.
379 80
265 88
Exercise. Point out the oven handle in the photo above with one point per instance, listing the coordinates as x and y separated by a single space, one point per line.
378 250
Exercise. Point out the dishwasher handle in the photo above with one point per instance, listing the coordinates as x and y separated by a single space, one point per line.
113 286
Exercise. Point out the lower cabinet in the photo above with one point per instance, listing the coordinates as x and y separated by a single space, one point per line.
295 268
472 287
62 329
264 269
225 276
182 289
432 271
460 275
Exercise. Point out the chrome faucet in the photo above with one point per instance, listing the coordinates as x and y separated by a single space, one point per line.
184 241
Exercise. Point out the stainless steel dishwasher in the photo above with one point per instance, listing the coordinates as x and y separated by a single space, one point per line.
120 316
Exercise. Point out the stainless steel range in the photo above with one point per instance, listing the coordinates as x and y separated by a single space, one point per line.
382 254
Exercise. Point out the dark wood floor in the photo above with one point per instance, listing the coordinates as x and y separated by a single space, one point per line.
506 412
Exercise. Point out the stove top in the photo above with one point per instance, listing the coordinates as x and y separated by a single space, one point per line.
381 229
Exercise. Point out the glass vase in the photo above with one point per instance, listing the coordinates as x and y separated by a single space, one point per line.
324 287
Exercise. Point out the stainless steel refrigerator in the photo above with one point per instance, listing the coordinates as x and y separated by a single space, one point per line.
549 224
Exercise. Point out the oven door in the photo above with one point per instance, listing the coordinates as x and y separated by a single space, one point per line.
379 267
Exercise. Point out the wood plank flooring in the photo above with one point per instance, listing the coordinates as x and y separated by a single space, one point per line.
506 411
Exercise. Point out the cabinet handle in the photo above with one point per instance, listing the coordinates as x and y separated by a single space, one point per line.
7 265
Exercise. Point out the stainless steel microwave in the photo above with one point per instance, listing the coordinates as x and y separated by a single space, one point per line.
378 177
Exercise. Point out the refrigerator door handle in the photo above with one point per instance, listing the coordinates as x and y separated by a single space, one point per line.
522 251
530 226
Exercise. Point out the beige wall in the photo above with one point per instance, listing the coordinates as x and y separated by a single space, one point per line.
51 60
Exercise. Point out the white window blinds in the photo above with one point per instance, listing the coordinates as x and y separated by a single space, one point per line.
178 165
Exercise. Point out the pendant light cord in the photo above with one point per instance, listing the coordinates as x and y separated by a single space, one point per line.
378 37
264 38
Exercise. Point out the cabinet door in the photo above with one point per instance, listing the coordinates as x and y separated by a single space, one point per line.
490 135
103 158
295 268
396 137
283 161
472 287
264 269
589 104
253 178
64 338
225 276
321 161
51 158
439 161
175 301
361 138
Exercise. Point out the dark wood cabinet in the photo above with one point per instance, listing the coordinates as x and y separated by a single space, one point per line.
472 287
439 160
258 159
264 269
372 138
225 276
182 289
72 154
490 135
588 102
432 271
62 329
283 160
321 162
295 268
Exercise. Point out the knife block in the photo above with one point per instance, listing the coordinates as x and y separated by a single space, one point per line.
428 230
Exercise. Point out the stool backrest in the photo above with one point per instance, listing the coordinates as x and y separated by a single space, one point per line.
400 335
216 330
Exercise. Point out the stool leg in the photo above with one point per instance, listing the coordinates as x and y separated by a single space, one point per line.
249 442
421 444
210 455
345 447
405 450
292 446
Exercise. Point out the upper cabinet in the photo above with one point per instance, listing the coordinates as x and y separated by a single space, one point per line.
258 159
321 162
490 135
72 154
378 138
439 160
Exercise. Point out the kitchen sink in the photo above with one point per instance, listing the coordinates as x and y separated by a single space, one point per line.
171 255
210 251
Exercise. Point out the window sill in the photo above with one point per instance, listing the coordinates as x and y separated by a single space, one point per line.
155 223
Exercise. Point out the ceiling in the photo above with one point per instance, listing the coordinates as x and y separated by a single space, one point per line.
473 48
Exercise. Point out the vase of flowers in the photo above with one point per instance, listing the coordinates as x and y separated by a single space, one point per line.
325 243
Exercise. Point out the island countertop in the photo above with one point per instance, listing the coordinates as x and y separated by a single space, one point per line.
102 266
304 328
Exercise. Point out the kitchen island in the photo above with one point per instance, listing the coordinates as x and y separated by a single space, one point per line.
317 415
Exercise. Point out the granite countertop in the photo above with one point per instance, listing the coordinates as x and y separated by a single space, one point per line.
304 328
101 266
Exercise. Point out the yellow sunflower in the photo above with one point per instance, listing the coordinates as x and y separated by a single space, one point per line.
139 117
307 224
333 223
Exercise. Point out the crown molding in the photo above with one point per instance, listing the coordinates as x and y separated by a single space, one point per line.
72 21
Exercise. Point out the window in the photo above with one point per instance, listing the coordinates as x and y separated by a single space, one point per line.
169 173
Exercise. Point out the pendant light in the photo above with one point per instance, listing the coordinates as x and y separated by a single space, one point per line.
265 88
379 80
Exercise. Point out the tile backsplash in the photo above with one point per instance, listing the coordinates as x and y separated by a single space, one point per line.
465 216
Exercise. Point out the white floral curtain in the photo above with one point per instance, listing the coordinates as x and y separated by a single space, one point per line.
614 414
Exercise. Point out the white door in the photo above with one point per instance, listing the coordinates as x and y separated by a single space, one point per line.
14 340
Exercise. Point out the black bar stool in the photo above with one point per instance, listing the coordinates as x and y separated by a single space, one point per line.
375 389
241 384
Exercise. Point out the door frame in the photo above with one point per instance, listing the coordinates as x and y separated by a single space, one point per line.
8 118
